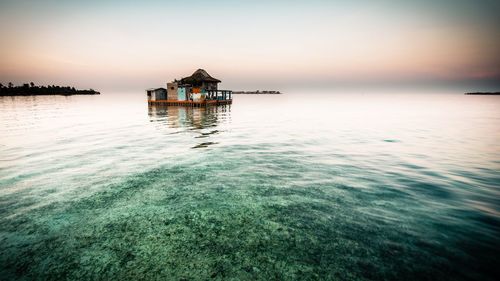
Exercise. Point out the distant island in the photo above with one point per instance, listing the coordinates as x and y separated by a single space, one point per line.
257 92
32 90
484 93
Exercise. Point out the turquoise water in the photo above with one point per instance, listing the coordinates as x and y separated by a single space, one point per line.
289 187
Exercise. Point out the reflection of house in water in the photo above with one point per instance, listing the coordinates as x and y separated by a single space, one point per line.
190 117
199 89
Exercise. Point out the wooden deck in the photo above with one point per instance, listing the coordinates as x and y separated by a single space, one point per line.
191 103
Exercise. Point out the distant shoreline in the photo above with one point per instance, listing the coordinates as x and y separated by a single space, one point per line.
32 90
257 92
484 94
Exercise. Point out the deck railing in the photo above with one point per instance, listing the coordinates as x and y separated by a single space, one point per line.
219 95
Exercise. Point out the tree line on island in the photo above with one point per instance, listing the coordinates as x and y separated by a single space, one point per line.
30 89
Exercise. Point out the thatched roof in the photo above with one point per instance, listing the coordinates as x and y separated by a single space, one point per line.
198 77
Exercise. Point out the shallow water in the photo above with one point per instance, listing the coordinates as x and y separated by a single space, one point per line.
305 186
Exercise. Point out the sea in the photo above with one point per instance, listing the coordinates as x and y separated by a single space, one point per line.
299 186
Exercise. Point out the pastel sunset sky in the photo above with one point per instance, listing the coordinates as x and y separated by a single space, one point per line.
133 45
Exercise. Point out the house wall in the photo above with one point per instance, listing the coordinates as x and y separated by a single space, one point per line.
161 94
156 94
151 95
172 91
181 93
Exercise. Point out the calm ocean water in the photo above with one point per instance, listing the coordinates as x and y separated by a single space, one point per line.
289 187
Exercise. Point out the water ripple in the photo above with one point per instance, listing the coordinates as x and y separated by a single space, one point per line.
344 189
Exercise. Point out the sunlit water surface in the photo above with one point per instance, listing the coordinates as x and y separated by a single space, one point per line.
346 187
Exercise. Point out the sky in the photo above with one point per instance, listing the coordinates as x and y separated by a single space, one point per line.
275 45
